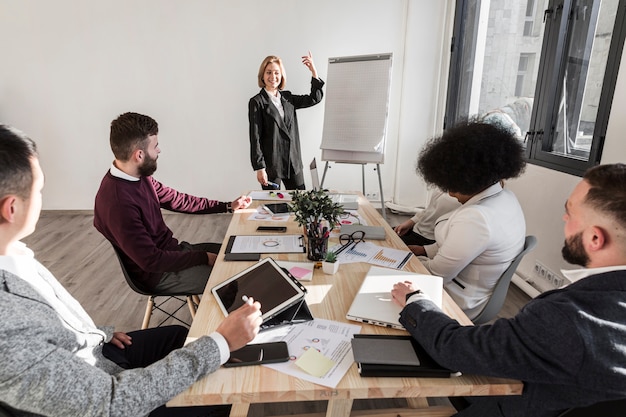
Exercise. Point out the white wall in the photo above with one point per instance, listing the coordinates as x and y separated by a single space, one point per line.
69 67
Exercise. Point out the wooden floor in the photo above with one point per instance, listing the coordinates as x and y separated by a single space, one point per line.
83 261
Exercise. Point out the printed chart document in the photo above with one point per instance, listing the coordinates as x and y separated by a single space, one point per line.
330 339
266 244
374 254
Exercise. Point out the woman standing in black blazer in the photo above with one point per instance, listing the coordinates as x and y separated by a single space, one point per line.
274 139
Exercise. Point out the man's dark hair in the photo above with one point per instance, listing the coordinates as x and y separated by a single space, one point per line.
16 171
608 190
129 132
470 157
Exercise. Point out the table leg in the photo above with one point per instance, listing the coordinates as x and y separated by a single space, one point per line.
239 410
417 402
339 408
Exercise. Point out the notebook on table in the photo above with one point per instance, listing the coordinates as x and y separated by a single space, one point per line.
373 303
394 356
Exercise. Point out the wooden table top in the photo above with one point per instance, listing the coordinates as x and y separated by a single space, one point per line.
328 297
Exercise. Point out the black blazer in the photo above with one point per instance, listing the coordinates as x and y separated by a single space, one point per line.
274 142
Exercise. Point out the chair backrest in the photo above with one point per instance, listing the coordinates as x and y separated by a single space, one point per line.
138 288
498 296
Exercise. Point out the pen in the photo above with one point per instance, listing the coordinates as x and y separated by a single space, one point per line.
246 300
273 185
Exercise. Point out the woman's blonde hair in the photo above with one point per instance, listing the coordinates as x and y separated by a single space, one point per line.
269 60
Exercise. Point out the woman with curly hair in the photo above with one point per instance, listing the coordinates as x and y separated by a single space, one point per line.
475 243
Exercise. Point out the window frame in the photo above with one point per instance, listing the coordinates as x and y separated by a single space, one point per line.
548 88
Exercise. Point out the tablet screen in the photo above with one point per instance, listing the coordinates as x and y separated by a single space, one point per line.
266 282
278 208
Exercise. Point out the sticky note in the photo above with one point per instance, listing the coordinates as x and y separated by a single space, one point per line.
298 272
314 363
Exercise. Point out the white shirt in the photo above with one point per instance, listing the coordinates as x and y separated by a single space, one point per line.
276 100
577 274
116 172
440 203
475 244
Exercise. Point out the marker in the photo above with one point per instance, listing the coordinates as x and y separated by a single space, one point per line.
246 300
273 185
267 209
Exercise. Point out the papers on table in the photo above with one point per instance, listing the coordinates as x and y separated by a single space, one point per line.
374 254
266 244
330 339
270 195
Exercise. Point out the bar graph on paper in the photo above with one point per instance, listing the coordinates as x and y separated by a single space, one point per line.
375 254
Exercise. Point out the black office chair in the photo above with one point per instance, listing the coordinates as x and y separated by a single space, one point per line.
191 300
498 296
615 408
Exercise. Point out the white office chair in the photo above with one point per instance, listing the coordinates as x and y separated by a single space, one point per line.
496 300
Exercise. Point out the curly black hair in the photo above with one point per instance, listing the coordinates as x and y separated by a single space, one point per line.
470 157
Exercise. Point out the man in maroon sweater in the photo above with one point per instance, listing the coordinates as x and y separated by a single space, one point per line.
128 213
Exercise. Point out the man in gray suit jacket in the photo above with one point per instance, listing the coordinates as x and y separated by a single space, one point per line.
54 360
567 345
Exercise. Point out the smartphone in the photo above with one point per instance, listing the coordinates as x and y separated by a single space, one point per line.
258 353
281 229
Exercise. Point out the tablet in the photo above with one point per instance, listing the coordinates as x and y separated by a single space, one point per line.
278 208
264 281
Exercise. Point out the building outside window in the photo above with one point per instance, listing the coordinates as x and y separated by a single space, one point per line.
545 67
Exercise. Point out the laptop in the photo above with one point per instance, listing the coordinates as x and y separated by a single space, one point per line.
369 232
373 303
347 201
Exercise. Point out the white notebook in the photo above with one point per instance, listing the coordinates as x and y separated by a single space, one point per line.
373 303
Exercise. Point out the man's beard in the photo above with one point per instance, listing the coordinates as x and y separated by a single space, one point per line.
148 167
573 250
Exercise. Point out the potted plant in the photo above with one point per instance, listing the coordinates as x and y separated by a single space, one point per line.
316 212
330 264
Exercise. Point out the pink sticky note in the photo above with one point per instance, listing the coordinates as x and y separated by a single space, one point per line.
298 272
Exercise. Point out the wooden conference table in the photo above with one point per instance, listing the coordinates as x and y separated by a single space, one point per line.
328 297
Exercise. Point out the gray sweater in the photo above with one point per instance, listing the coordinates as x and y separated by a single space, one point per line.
567 346
49 368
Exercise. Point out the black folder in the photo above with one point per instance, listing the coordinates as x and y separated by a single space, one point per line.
394 356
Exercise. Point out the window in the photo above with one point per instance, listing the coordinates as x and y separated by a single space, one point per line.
547 67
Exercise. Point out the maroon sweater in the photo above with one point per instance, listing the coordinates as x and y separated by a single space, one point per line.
128 214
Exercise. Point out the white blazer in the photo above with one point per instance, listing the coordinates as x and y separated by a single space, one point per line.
475 244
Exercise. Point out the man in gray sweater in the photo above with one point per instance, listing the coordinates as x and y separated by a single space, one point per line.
54 361
567 345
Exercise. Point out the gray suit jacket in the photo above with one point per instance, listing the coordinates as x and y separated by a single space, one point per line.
41 374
